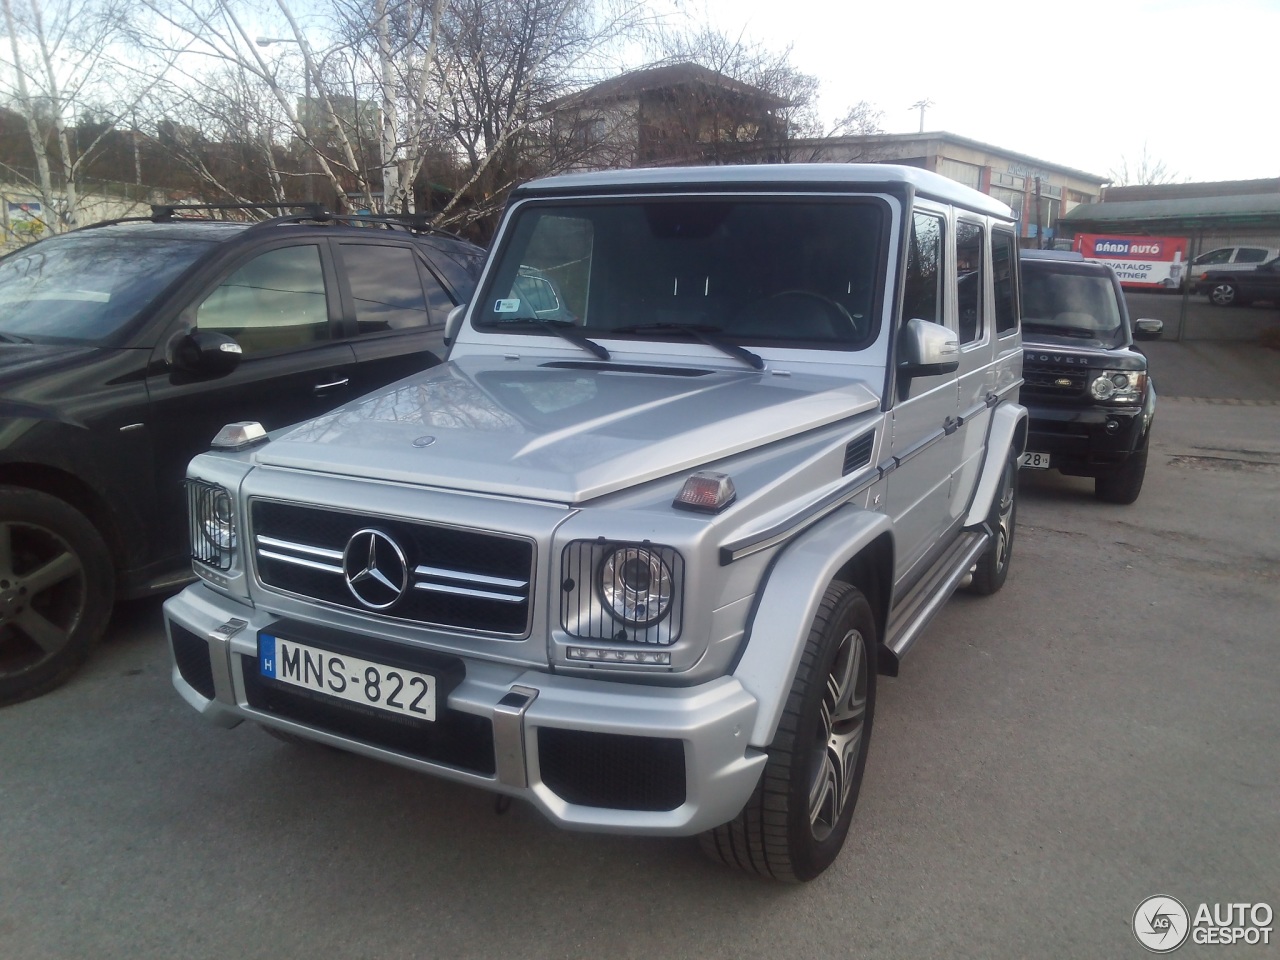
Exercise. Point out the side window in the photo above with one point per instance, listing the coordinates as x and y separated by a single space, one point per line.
387 288
922 293
970 260
275 301
1004 260
1250 255
1213 256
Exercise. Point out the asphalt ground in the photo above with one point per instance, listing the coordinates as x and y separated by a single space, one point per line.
1102 730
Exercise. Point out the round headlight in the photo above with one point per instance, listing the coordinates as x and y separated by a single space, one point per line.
635 584
1102 388
1121 380
218 525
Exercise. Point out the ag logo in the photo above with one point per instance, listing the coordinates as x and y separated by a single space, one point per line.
1161 924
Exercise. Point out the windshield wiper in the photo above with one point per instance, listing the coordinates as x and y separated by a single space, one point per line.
700 333
563 330
12 338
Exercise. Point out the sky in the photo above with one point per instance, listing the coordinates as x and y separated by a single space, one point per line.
1082 83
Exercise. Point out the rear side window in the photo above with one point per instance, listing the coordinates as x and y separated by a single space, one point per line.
922 292
386 287
1251 255
1004 261
970 260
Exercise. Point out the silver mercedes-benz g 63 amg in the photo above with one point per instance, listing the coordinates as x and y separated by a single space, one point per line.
711 448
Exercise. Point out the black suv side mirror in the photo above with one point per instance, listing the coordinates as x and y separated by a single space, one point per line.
205 353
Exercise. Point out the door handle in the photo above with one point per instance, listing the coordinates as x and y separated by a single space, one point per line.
322 387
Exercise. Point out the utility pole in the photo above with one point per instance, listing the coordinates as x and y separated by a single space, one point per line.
922 105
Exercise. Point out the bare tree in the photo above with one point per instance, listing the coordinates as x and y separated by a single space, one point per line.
59 65
1145 171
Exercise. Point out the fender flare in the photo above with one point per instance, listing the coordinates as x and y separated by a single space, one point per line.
1008 431
788 603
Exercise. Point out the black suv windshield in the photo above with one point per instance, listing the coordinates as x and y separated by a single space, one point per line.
737 270
1070 300
85 288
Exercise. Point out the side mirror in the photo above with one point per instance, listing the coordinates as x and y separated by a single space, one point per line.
205 353
453 323
927 349
1147 329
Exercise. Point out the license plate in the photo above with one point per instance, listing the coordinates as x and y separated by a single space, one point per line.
1036 461
349 678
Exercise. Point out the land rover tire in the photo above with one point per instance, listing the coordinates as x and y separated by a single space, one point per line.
992 568
794 824
57 586
1123 485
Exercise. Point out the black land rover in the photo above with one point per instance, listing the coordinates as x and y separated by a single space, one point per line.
125 346
1088 391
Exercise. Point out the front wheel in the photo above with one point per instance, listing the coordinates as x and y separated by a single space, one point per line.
1223 294
796 821
1124 485
56 591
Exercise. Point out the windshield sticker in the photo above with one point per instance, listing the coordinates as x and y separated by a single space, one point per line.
507 306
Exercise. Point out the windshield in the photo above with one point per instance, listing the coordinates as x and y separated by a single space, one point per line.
1069 303
743 270
84 289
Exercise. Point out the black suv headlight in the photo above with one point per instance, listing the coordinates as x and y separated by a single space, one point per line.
1118 386
628 592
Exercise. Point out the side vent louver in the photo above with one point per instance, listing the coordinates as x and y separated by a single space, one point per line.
858 453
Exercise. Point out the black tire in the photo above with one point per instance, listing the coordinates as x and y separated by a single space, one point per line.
1124 485
57 586
1223 293
992 568
796 821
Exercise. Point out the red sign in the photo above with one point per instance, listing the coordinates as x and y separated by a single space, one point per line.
1138 261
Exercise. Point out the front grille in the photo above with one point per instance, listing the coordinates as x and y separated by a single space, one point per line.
612 770
426 573
1054 382
191 654
455 739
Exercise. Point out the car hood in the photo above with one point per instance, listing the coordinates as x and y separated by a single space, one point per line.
566 432
20 361
1092 353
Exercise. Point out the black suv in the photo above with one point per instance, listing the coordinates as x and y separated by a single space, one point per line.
1086 387
125 346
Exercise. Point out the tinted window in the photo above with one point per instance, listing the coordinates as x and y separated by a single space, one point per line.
83 289
922 297
1004 260
751 269
1069 301
1251 255
386 287
275 301
970 257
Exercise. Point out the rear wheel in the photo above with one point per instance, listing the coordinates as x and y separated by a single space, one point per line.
1124 485
992 568
1223 293
796 821
56 591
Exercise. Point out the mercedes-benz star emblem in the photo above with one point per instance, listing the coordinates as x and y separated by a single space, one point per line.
375 569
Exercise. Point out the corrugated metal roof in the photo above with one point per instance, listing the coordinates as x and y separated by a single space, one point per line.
1192 211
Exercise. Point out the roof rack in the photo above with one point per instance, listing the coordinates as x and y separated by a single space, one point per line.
161 212
410 222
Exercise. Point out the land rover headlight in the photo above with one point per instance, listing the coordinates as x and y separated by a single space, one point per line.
1118 386
636 585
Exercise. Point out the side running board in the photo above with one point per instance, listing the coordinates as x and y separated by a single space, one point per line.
917 608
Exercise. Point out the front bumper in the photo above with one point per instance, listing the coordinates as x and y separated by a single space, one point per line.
1086 441
590 754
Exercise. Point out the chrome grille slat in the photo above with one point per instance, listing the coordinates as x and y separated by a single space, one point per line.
458 578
